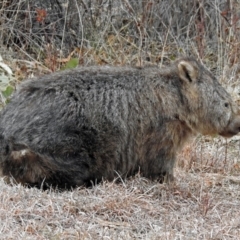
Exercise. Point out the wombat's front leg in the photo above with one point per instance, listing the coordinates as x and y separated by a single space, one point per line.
166 173
168 167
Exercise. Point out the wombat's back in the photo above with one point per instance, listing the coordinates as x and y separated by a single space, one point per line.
41 109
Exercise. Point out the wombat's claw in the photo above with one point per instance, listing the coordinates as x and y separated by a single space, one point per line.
168 178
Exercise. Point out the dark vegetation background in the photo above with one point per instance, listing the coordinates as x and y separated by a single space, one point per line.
41 36
121 32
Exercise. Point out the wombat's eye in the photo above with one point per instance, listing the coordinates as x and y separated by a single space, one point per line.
226 105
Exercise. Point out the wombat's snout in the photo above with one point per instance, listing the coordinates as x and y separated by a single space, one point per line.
233 128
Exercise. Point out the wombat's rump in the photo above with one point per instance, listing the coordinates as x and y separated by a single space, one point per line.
84 125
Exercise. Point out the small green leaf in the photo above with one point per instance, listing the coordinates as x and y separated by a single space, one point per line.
72 63
173 58
8 91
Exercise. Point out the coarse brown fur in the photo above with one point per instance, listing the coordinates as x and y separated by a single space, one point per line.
80 126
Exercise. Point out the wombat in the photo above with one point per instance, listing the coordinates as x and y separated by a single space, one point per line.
80 126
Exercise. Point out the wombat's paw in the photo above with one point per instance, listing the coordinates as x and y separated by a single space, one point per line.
167 178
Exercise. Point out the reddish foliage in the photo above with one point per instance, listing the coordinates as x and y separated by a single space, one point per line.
41 15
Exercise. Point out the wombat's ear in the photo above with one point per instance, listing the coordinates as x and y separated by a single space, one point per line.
187 71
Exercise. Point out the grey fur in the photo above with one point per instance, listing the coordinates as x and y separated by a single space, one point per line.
73 127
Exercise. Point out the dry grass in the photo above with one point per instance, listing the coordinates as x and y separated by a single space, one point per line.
203 203
189 209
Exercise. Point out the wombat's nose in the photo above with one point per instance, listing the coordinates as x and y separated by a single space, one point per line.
233 128
237 124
